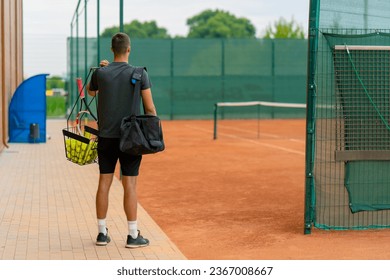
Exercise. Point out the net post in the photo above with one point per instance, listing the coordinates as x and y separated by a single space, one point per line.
215 120
310 115
258 120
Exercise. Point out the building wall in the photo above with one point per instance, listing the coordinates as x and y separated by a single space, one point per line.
11 59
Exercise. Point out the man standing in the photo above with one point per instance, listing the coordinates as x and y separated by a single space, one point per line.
112 83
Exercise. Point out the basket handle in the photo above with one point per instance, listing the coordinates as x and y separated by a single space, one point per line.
78 119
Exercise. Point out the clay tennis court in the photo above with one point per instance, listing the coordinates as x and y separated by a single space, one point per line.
242 196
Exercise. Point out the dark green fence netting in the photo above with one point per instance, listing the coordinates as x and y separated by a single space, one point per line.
348 139
190 75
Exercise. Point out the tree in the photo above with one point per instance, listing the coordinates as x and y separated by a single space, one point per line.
284 29
219 24
55 82
136 29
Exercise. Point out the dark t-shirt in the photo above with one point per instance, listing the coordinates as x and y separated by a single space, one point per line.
115 95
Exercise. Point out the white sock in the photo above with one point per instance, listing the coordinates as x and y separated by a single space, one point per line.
133 229
102 226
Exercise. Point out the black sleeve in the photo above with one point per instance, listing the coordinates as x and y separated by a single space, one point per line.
145 83
93 85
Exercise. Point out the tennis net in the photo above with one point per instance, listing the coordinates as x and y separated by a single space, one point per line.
252 111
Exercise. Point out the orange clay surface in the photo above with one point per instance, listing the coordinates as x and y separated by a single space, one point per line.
242 196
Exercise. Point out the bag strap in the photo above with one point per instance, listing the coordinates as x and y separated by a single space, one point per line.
136 81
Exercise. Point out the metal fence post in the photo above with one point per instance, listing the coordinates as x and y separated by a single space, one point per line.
310 115
98 32
120 15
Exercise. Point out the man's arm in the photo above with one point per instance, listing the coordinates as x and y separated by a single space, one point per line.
91 92
103 63
147 100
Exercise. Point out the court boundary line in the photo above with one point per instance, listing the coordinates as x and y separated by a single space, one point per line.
261 133
250 140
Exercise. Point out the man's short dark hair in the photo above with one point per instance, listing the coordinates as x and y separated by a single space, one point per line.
120 42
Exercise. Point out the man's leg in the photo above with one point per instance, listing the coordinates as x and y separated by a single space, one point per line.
130 204
102 197
105 181
130 197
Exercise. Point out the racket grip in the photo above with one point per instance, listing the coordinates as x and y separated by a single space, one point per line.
80 87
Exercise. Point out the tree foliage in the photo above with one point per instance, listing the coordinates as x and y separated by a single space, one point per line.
284 29
219 24
55 82
137 29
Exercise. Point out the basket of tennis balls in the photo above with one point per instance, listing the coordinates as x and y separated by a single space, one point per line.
81 144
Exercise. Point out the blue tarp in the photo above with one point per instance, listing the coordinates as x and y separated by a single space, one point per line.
28 109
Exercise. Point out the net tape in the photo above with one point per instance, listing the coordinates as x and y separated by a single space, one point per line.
261 103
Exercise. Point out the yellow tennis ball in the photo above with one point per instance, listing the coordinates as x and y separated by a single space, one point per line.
73 144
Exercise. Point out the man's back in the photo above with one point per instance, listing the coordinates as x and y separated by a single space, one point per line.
115 96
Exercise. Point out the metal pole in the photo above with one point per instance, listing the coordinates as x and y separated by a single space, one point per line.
77 44
98 32
365 14
85 44
310 115
223 72
215 120
75 72
273 76
76 11
120 15
258 121
172 80
85 38
71 60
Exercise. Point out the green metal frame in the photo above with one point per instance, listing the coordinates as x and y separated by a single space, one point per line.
75 25
120 15
310 115
98 32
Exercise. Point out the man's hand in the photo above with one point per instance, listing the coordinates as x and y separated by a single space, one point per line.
104 63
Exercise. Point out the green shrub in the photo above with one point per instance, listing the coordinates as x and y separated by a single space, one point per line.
55 106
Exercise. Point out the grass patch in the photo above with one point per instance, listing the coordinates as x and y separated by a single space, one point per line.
55 106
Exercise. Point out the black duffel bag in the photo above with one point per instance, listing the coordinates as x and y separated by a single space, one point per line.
141 135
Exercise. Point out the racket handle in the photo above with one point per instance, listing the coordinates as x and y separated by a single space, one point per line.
80 87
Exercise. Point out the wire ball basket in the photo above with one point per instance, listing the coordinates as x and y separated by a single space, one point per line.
81 142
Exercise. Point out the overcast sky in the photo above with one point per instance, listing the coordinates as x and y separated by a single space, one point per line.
47 22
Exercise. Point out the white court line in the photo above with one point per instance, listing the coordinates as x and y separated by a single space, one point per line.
250 140
261 133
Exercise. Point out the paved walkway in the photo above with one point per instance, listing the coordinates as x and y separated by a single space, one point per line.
47 208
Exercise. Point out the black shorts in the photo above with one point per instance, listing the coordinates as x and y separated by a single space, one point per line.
108 155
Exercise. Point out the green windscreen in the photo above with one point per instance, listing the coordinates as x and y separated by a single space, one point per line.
190 75
367 185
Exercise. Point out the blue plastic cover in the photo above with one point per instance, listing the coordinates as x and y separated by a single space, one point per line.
28 109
